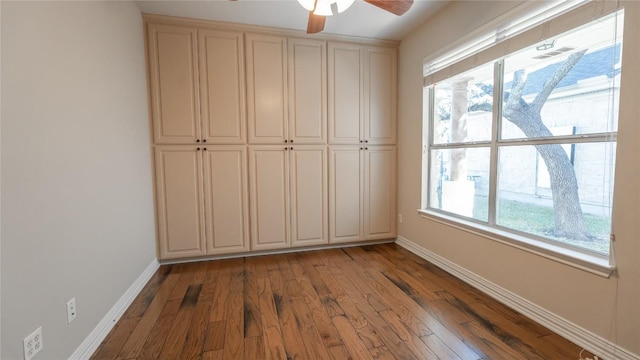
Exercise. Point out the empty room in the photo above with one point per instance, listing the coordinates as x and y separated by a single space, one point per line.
320 179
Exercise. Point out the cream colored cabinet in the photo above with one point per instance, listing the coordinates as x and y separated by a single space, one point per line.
197 85
201 200
361 193
222 87
307 91
173 76
362 84
267 88
288 196
226 199
286 90
179 203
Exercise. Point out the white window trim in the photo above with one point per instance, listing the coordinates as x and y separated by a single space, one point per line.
541 23
592 263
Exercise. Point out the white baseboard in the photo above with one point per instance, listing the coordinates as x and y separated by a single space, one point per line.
100 332
563 327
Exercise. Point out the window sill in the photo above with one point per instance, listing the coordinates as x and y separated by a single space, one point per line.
598 265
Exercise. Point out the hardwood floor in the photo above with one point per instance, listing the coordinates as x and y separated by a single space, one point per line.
368 302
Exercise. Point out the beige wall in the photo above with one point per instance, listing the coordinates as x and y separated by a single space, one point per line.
77 208
607 307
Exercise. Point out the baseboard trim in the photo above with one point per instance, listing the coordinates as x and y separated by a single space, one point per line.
100 332
563 327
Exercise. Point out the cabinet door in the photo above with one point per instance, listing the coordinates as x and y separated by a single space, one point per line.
345 194
179 201
307 89
173 76
267 88
380 86
308 191
222 92
379 192
269 171
226 199
345 93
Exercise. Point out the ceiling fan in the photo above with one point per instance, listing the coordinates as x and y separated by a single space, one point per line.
320 9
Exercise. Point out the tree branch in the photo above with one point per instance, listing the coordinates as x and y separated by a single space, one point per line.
551 84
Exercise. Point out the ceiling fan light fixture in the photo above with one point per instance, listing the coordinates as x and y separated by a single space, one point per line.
326 7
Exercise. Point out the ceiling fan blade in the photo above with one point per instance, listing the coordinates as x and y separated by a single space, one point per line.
397 7
315 24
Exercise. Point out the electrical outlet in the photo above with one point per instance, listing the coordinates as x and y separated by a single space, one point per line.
71 310
400 218
32 344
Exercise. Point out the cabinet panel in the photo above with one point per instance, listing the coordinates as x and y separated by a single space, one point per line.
380 95
179 201
269 197
308 195
222 87
345 89
379 192
174 84
226 199
345 192
266 88
307 89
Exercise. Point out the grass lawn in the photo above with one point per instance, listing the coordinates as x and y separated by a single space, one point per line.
538 220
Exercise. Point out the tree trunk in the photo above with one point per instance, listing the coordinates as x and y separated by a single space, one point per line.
459 128
569 221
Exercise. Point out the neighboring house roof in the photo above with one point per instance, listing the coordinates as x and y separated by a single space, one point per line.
593 64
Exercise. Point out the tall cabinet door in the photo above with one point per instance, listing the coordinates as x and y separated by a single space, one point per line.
222 86
179 202
380 86
266 88
345 70
269 191
307 89
308 189
226 199
379 192
345 193
173 73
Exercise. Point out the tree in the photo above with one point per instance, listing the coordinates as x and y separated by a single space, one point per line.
569 221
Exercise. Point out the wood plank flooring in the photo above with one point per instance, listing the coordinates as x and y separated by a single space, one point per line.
368 302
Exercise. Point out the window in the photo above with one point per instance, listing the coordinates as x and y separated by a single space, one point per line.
525 145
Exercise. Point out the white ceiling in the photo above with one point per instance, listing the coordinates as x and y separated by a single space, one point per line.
361 19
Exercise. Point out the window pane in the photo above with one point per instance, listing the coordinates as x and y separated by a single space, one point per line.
584 99
570 203
463 107
460 181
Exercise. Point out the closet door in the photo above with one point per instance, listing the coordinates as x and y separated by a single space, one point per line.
345 194
267 88
345 93
179 201
379 192
307 91
226 199
308 189
380 85
269 169
173 70
222 87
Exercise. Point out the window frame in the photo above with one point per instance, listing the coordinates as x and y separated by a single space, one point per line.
593 262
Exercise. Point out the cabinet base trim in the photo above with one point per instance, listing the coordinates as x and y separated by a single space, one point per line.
273 252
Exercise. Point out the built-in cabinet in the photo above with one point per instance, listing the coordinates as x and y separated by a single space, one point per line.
362 193
263 140
201 200
289 196
362 94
